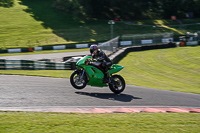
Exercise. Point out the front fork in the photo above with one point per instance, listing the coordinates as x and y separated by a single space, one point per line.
82 74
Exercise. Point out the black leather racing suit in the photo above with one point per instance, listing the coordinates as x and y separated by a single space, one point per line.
106 62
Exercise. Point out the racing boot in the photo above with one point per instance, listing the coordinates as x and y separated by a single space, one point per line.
107 77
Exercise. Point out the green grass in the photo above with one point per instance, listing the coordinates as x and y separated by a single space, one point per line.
35 23
175 69
29 23
23 122
167 22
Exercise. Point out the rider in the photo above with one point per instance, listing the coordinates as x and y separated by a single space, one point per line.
100 56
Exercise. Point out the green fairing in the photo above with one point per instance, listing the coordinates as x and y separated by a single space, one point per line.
82 61
115 68
96 74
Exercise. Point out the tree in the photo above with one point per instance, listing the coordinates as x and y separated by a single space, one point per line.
6 3
129 9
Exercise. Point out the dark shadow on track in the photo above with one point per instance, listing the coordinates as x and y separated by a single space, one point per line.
110 96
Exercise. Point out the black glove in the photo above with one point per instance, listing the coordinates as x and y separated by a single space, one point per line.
89 62
100 59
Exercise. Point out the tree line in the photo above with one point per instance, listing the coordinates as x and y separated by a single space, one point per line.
6 3
129 9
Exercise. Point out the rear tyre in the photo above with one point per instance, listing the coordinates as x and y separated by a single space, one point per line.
119 84
76 81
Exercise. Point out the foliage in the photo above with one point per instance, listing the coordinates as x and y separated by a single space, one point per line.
129 9
6 3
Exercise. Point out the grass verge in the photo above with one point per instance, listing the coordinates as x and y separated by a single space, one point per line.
175 69
23 122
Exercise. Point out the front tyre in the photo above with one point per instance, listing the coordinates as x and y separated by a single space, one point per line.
118 84
76 81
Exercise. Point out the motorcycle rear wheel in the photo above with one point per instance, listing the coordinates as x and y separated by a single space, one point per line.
119 84
76 82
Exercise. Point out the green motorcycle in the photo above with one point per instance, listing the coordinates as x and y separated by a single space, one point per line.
86 74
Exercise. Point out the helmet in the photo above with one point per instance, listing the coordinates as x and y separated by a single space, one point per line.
93 48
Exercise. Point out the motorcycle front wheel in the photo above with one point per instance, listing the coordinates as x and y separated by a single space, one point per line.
76 81
118 84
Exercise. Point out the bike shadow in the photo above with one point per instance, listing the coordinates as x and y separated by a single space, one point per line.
110 96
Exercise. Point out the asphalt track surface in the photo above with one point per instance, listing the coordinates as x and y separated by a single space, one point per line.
30 91
52 56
